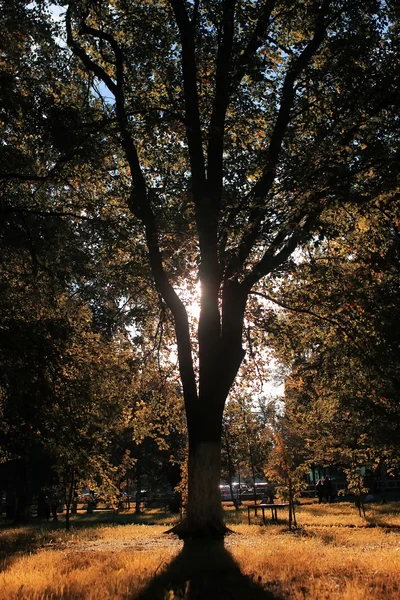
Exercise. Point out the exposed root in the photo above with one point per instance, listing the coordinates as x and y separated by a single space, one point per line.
214 530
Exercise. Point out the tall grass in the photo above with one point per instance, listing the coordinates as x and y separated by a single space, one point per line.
333 554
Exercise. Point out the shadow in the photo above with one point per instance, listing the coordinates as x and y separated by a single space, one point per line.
36 534
101 517
378 524
204 570
27 538
20 540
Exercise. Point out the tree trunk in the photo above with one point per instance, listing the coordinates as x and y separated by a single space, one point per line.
292 506
68 499
128 499
220 356
251 455
204 500
67 522
382 469
138 498
204 516
231 471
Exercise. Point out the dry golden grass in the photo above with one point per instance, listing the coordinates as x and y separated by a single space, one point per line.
333 554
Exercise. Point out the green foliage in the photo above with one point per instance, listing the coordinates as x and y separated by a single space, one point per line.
246 440
338 336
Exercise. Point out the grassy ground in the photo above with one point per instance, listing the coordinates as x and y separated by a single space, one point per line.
332 554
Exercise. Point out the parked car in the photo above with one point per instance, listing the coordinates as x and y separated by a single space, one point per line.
238 489
261 488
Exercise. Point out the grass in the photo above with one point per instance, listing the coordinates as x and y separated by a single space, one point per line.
332 554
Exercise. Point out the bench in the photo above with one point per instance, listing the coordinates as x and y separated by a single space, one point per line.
274 510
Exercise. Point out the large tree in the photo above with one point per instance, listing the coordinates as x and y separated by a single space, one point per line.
232 127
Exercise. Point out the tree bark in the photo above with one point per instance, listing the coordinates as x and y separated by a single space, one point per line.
68 499
231 472
138 498
382 469
204 504
292 514
204 516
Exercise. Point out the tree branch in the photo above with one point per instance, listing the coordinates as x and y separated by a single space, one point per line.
284 49
43 213
90 64
264 184
297 66
206 215
255 42
221 100
195 13
363 350
139 202
272 258
305 311
42 178
193 127
23 177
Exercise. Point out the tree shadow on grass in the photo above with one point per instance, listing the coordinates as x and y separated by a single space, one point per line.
16 541
110 517
379 524
204 571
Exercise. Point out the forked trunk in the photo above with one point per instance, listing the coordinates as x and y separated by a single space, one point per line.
220 356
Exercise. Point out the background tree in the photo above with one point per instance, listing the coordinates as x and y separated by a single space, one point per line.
158 435
67 365
63 394
246 441
338 335
286 466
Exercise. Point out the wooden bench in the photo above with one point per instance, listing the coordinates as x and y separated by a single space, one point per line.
274 510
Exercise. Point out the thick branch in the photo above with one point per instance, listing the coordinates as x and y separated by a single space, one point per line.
217 122
255 42
264 184
288 94
90 64
180 319
193 127
139 202
208 213
205 203
119 60
274 257
43 213
234 297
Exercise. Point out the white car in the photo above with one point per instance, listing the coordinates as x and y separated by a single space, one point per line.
226 491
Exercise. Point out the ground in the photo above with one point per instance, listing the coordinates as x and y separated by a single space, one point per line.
332 554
